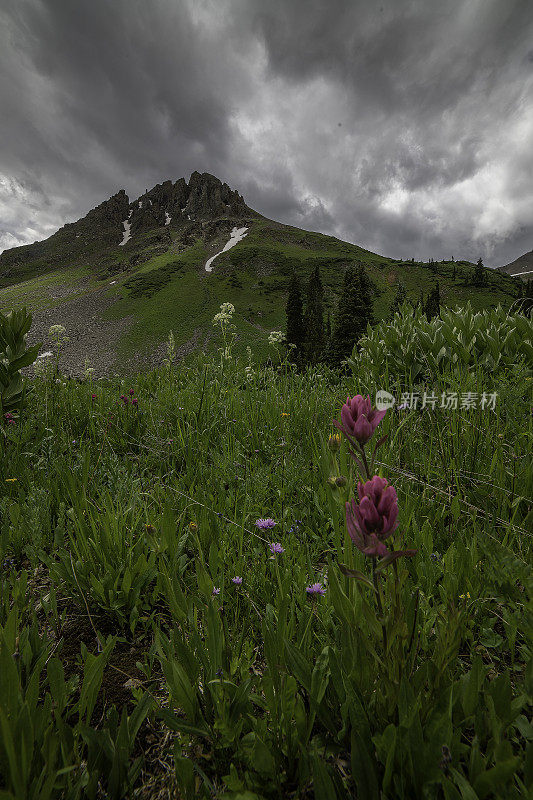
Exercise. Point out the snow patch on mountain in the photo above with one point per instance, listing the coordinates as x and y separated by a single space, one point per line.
127 230
236 235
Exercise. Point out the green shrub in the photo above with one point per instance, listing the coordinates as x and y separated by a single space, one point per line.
410 348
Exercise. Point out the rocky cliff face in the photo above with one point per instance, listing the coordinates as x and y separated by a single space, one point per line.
204 198
192 208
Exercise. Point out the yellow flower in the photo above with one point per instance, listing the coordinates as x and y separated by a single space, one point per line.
11 480
193 527
149 528
284 414
334 442
463 596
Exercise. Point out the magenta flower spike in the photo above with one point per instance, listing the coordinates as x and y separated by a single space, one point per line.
358 419
371 521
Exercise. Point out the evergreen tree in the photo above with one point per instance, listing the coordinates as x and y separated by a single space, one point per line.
432 307
315 337
295 322
350 319
399 298
478 277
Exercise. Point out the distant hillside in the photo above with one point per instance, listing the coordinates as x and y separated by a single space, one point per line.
128 273
521 267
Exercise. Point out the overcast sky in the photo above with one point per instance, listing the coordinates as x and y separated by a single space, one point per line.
405 126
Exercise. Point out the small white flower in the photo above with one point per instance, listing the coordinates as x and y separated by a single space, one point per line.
276 337
57 330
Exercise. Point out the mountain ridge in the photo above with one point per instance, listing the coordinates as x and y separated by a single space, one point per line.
521 267
96 235
129 272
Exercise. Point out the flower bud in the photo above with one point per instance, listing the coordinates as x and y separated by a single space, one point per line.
334 442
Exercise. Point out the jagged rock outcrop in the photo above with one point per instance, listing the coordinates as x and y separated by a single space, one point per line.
209 197
186 208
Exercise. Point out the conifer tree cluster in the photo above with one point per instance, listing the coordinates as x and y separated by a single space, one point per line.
320 338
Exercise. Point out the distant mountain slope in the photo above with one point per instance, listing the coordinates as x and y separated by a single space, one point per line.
521 267
128 273
96 239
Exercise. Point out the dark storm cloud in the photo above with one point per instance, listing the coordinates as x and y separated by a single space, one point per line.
404 125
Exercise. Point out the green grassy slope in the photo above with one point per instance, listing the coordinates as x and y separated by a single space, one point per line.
160 281
173 292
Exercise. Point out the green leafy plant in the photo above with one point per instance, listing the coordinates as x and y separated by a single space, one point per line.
14 356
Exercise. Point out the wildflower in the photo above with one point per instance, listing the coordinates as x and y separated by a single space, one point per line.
215 591
276 337
93 397
265 524
276 549
465 596
358 419
57 330
131 392
237 580
135 402
284 414
126 401
371 521
11 480
149 528
193 527
334 442
337 481
315 590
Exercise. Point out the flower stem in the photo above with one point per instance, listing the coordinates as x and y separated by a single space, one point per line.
377 586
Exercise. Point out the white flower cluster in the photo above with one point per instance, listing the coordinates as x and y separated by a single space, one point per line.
276 337
56 331
224 316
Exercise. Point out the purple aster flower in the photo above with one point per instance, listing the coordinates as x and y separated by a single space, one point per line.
237 580
276 549
315 590
215 591
265 524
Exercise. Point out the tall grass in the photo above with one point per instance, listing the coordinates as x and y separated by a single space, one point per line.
119 520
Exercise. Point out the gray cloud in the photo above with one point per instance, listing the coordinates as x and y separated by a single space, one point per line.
401 125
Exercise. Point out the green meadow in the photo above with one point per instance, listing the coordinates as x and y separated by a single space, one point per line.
183 612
